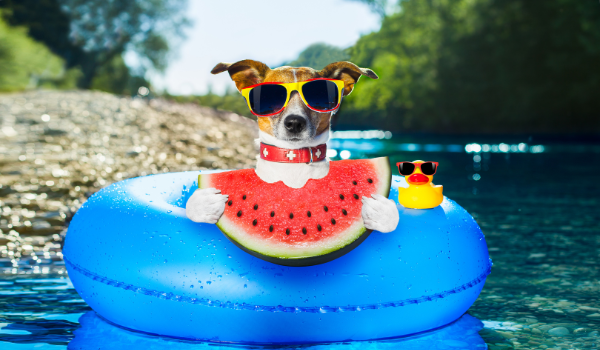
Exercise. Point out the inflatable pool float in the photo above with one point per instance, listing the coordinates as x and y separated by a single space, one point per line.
140 263
96 333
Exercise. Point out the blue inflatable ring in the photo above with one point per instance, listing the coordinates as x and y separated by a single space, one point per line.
140 263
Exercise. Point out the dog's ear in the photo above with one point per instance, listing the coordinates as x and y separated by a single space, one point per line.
347 72
244 73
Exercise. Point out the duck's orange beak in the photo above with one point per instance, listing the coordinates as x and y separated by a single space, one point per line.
417 179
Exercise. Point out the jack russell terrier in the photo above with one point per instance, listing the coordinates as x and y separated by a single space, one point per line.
295 123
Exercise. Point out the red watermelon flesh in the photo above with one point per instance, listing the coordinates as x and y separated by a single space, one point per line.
299 226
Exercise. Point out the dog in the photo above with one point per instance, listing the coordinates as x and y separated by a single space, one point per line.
295 127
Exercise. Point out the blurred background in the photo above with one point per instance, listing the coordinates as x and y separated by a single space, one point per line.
504 94
467 66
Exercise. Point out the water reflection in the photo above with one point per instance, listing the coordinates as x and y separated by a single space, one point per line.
95 333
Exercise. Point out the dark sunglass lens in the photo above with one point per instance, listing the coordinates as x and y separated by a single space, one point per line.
406 169
321 95
428 168
267 99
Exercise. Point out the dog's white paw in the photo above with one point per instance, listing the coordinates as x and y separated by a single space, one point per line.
206 205
379 213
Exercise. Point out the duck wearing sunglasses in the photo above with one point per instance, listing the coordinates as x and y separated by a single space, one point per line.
293 106
421 193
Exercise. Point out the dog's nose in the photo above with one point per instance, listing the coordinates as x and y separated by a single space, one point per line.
294 124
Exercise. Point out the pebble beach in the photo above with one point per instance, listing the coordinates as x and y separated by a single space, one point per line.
58 148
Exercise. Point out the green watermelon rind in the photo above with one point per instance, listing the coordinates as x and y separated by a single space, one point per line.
291 256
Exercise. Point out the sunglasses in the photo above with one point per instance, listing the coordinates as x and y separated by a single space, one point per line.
408 168
320 95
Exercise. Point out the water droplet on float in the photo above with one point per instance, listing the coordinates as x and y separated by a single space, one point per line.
166 261
191 286
245 286
229 256
169 211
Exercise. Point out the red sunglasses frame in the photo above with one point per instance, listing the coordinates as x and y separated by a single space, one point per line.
417 165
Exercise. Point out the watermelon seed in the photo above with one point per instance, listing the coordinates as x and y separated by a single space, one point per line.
304 230
370 181
254 222
244 197
333 221
341 196
230 202
354 183
272 213
256 206
271 228
291 215
344 212
325 208
308 213
239 213
319 227
355 196
287 231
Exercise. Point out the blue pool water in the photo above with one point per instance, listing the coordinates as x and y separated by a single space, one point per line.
536 202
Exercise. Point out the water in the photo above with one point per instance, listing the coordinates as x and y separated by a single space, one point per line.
538 208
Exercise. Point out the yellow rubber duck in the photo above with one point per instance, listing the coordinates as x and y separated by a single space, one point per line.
421 193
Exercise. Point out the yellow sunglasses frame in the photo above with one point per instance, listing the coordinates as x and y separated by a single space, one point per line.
291 87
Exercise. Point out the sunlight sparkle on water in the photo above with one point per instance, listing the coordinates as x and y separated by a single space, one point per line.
504 148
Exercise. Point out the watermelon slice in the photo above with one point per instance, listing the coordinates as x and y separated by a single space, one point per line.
299 226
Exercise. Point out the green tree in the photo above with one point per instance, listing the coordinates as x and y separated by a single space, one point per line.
481 66
115 77
380 7
24 62
318 56
91 33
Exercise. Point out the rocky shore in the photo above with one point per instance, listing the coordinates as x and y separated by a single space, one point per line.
57 148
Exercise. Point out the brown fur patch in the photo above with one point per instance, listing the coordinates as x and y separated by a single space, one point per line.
285 74
265 124
324 120
244 73
348 72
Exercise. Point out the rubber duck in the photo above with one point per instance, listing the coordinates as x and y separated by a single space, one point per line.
421 193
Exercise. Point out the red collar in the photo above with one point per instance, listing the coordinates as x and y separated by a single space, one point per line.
285 155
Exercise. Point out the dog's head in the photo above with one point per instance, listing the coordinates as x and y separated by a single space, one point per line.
297 124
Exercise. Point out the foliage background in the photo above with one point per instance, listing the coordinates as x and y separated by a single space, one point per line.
445 66
492 66
91 37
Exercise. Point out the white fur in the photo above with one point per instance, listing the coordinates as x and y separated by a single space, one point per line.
273 141
206 205
379 213
293 175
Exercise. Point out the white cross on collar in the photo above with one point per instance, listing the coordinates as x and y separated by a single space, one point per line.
291 155
318 153
265 152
